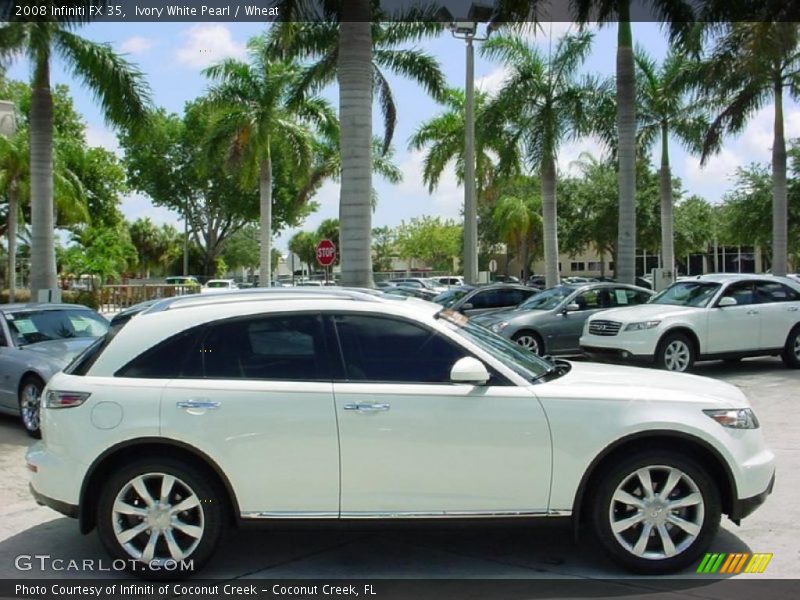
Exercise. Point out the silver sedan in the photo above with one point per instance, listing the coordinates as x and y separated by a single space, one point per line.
37 341
551 322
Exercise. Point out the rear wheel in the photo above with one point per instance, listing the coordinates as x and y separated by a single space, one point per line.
162 517
791 351
30 403
655 512
530 340
675 353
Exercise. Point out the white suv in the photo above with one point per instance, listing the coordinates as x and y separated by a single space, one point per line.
205 412
706 318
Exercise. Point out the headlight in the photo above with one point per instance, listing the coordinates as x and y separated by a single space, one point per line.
498 327
641 326
735 418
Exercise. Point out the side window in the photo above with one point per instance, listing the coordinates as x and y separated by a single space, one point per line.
275 347
589 300
768 291
625 297
742 292
165 360
390 350
511 297
3 341
486 299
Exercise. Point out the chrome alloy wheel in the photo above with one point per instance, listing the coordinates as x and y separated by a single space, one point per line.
529 342
677 355
30 401
797 346
657 512
157 518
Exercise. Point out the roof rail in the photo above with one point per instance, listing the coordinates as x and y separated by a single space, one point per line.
259 294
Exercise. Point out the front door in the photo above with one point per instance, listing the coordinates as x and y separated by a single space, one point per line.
735 328
414 444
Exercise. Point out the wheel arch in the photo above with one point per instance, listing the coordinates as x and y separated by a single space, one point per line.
28 374
683 330
527 329
139 448
705 453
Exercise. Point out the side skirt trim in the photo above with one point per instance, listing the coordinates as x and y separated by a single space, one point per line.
402 514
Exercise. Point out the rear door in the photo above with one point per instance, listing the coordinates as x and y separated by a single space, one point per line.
256 396
780 311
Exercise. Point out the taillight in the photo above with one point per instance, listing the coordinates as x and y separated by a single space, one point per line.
56 399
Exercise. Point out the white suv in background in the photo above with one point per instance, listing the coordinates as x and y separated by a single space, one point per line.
706 318
209 411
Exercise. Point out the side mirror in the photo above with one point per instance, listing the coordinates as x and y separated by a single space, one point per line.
727 301
469 370
572 307
467 306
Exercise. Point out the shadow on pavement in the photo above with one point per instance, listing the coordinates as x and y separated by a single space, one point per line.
12 433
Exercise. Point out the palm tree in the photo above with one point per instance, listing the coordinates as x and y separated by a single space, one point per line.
13 175
750 64
545 103
664 110
518 223
348 47
146 238
118 86
443 137
256 120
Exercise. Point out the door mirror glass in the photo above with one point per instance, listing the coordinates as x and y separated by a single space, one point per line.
572 307
469 370
727 301
467 306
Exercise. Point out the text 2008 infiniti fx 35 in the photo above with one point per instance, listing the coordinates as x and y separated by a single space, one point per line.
337 404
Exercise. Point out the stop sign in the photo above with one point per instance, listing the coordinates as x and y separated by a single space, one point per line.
326 253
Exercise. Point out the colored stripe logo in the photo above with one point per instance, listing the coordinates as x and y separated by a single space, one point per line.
733 563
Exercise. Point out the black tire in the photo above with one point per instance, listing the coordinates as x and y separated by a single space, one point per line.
30 404
675 353
530 340
207 514
621 546
791 351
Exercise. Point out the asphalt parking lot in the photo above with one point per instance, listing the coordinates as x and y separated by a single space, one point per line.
544 550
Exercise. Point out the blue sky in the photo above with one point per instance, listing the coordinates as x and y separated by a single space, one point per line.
173 54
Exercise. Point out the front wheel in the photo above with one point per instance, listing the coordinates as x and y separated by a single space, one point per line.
30 404
791 351
530 341
163 518
675 353
655 512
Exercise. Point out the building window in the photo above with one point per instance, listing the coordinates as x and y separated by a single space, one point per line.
577 266
594 265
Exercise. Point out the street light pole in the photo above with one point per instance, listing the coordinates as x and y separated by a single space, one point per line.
470 204
467 30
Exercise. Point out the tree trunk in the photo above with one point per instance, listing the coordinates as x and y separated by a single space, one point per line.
779 209
550 222
265 192
43 256
625 266
355 114
12 240
667 236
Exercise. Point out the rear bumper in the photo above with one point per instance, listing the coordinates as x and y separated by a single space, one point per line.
69 510
745 506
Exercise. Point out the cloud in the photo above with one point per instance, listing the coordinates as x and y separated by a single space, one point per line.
97 135
446 200
570 152
136 45
492 81
206 44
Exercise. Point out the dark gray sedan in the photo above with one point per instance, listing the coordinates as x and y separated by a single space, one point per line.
471 301
37 341
551 322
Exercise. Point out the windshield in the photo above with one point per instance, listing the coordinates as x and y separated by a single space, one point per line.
34 326
523 362
687 293
548 299
450 297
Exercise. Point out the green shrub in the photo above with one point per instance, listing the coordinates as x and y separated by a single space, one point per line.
90 299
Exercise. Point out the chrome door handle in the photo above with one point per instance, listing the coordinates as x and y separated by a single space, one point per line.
792 309
196 403
752 312
366 407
